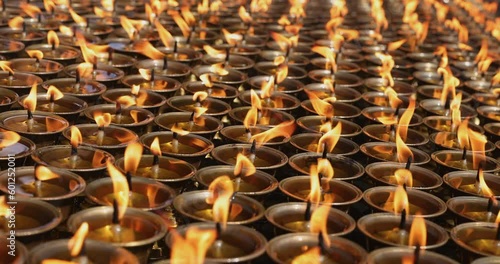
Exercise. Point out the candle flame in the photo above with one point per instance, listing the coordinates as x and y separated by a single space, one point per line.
404 177
54 93
4 207
321 107
463 134
29 102
147 49
244 15
205 79
394 100
155 147
182 24
496 79
85 69
166 38
120 188
244 166
330 139
8 138
315 185
52 38
221 193
386 68
188 15
252 115
483 51
400 200
30 10
329 54
200 96
146 74
403 151
102 119
35 54
405 119
482 187
43 173
283 42
450 82
418 232
232 38
441 51
193 248
102 13
378 14
319 220
179 130
132 157
396 44
478 144
219 69
49 5
5 66
131 27
16 22
76 136
75 244
285 130
77 18
212 51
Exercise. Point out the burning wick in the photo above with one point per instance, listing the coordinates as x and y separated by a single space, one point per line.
118 113
110 56
152 80
489 209
100 135
74 156
191 122
402 231
76 86
51 103
116 229
227 57
478 180
252 152
248 134
464 157
175 143
30 122
165 64
155 168
175 50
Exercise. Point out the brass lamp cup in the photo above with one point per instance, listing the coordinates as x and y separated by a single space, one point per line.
101 192
293 59
251 243
465 233
9 48
72 106
396 255
423 179
185 55
370 225
266 159
372 151
290 103
398 75
486 260
312 124
434 107
425 66
107 75
144 117
298 187
153 103
428 78
276 117
122 137
95 251
171 86
307 142
20 152
342 79
342 94
284 215
40 218
238 134
492 131
193 206
151 227
10 118
257 185
211 125
21 82
185 103
7 99
444 123
470 209
345 168
69 185
485 99
489 114
63 54
372 113
119 61
443 159
288 86
284 248
229 92
457 179
379 84
377 132
46 70
269 68
199 146
234 78
452 137
55 156
421 56
340 110
481 86
21 252
430 206
175 70
429 92
237 62
87 90
342 66
380 99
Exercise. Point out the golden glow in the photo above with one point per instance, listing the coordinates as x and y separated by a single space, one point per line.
329 54
16 22
232 39
401 200
146 48
155 147
30 10
184 27
404 177
5 66
312 255
54 93
132 157
77 18
386 68
76 136
405 119
219 69
330 139
315 185
418 232
8 138
285 130
319 220
403 151
53 39
75 244
395 45
120 188
193 248
321 107
478 144
394 100
221 191
205 79
212 51
102 119
35 54
244 15
29 102
244 166
43 173
166 38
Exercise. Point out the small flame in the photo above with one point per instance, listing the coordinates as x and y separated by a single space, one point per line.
85 69
166 38
133 154
312 255
244 15
120 188
4 208
329 54
200 96
378 14
155 147
54 93
463 134
187 15
5 66
403 151
252 115
8 138
284 42
232 38
76 136
35 54
395 45
394 100
177 129
16 22
75 244
131 27
29 102
219 69
401 200
182 24
244 166
102 119
330 139
221 192
450 82
193 248
496 79
77 18
319 220
478 144
30 10
404 177
315 185
281 72
101 12
405 119
418 232
386 68
49 5
442 51
285 130
320 106
53 39
484 65
483 51
146 74
212 51
43 173
205 79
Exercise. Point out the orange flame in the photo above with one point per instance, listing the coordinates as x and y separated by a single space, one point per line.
131 26
483 51
482 187
403 151
4 65
285 130
478 144
132 157
319 220
16 22
187 15
463 134
54 93
219 69
101 12
4 208
484 65
205 79
49 5
312 255
232 38
394 100
120 188
441 50
244 15
245 165
418 232
29 102
395 45
8 138
30 10
77 18
85 69
102 119
146 48
315 185
35 54
53 39
386 68
284 42
212 51
329 54
43 173
75 244
252 115
155 147
449 84
404 177
496 79
330 139
221 192
76 136
200 96
181 23
166 38
405 119
192 249
321 107
401 200
177 129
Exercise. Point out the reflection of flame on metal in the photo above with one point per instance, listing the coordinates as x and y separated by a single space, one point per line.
8 138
